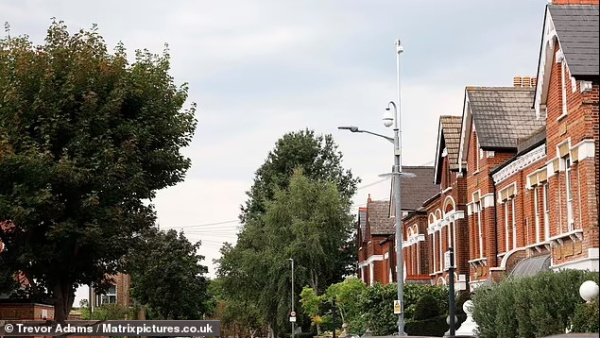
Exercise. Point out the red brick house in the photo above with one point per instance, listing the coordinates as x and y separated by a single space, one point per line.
376 228
446 211
566 98
516 177
416 247
494 120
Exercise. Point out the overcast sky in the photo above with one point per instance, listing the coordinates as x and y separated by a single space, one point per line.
261 68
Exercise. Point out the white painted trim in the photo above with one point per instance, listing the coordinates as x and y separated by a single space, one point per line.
585 86
370 260
413 240
437 151
576 234
386 255
545 65
528 184
563 74
561 166
463 130
451 200
520 163
474 285
513 184
487 200
469 209
588 263
447 190
586 149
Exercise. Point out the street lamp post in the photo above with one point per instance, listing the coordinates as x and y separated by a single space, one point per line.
388 120
393 118
293 314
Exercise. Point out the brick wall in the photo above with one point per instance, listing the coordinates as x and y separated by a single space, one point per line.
480 163
579 124
22 311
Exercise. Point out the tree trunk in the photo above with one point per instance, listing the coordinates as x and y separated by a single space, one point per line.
64 296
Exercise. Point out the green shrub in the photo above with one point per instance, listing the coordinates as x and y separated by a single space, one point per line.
505 314
485 309
537 306
586 318
433 327
427 307
377 304
523 299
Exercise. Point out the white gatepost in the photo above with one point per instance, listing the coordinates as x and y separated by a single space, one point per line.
469 327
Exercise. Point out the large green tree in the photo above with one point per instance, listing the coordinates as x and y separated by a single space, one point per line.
299 207
86 140
168 276
316 154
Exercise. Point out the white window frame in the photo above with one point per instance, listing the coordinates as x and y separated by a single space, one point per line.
563 74
418 270
433 252
479 227
441 250
109 297
536 213
514 223
546 194
569 194
371 274
506 227
454 243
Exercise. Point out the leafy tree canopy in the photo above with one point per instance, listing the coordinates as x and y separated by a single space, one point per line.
298 207
167 275
86 139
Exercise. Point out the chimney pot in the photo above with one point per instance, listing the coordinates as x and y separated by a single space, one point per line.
526 81
517 81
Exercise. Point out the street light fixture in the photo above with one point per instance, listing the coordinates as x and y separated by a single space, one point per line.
355 129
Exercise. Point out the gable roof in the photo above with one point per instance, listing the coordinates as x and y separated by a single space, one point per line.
378 218
577 30
449 139
501 116
415 190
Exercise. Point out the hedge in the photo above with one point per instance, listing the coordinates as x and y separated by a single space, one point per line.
537 306
434 327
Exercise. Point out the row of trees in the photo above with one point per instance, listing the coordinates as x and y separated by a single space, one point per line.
298 208
87 138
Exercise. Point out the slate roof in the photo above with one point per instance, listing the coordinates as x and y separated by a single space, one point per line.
414 190
450 126
503 115
417 189
378 218
577 30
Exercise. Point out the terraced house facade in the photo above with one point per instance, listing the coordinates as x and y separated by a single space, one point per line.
517 173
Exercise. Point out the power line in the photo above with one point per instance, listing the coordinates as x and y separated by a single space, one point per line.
206 226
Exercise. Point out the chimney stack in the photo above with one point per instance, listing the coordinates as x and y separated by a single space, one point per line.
524 81
574 2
